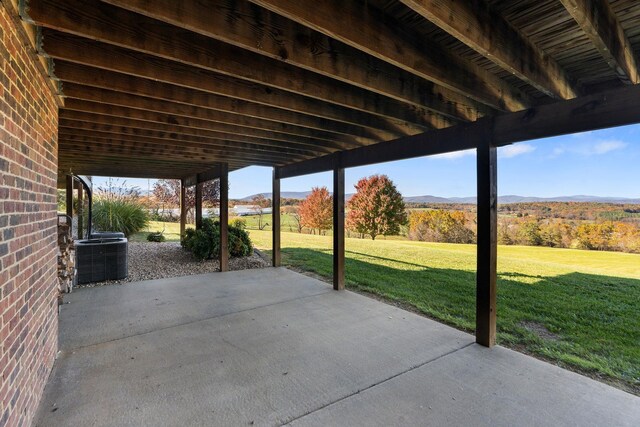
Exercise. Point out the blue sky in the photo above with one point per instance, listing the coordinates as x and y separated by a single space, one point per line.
598 163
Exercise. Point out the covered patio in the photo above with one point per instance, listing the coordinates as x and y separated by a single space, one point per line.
194 90
271 347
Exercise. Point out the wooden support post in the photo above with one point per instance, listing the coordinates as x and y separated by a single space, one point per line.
183 209
275 220
338 226
70 196
487 244
199 189
224 217
80 210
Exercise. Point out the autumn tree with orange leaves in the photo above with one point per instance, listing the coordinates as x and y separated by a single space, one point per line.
377 208
316 210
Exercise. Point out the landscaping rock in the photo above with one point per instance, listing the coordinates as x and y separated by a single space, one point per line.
148 261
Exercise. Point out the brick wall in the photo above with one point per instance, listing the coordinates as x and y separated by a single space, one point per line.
28 251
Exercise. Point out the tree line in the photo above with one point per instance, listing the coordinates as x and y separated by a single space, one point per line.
377 209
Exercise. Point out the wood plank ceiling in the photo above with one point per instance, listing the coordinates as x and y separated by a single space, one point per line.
167 88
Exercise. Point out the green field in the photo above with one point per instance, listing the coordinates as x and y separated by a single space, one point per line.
580 309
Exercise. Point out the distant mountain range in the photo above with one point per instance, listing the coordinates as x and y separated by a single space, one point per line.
472 200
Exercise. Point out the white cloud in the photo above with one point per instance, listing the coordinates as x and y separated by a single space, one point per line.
515 150
587 145
605 146
455 154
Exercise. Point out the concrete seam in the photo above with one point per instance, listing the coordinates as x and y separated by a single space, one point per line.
411 368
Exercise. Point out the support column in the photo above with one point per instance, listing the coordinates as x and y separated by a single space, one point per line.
199 205
487 244
80 210
338 226
183 209
224 217
275 219
70 196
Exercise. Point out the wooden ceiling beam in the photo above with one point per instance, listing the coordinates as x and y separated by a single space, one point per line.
599 22
248 127
198 104
609 109
131 121
158 166
109 57
362 27
146 157
285 40
119 134
117 166
475 24
133 151
194 56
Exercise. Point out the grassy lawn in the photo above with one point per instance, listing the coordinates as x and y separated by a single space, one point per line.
588 301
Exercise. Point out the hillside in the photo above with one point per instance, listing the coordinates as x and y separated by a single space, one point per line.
472 200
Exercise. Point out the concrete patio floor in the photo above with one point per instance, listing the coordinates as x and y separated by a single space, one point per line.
270 347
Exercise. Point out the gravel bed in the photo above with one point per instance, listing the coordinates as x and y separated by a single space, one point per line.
149 261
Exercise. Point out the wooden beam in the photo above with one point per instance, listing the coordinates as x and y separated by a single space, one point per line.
249 149
89 144
224 217
487 245
93 148
365 28
338 225
80 189
609 109
82 120
285 40
210 174
475 24
599 22
109 165
275 220
198 207
193 54
246 125
183 209
84 82
69 197
82 51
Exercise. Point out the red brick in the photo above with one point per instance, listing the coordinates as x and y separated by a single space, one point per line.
28 253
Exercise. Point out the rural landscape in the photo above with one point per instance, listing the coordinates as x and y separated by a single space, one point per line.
569 271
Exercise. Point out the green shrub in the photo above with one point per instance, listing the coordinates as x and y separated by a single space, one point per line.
119 215
238 223
156 236
205 243
187 238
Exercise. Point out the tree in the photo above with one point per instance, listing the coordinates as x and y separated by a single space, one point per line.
259 202
436 225
316 210
294 213
167 192
377 207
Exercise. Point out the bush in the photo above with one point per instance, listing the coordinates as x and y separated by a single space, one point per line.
119 215
238 223
205 243
156 236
